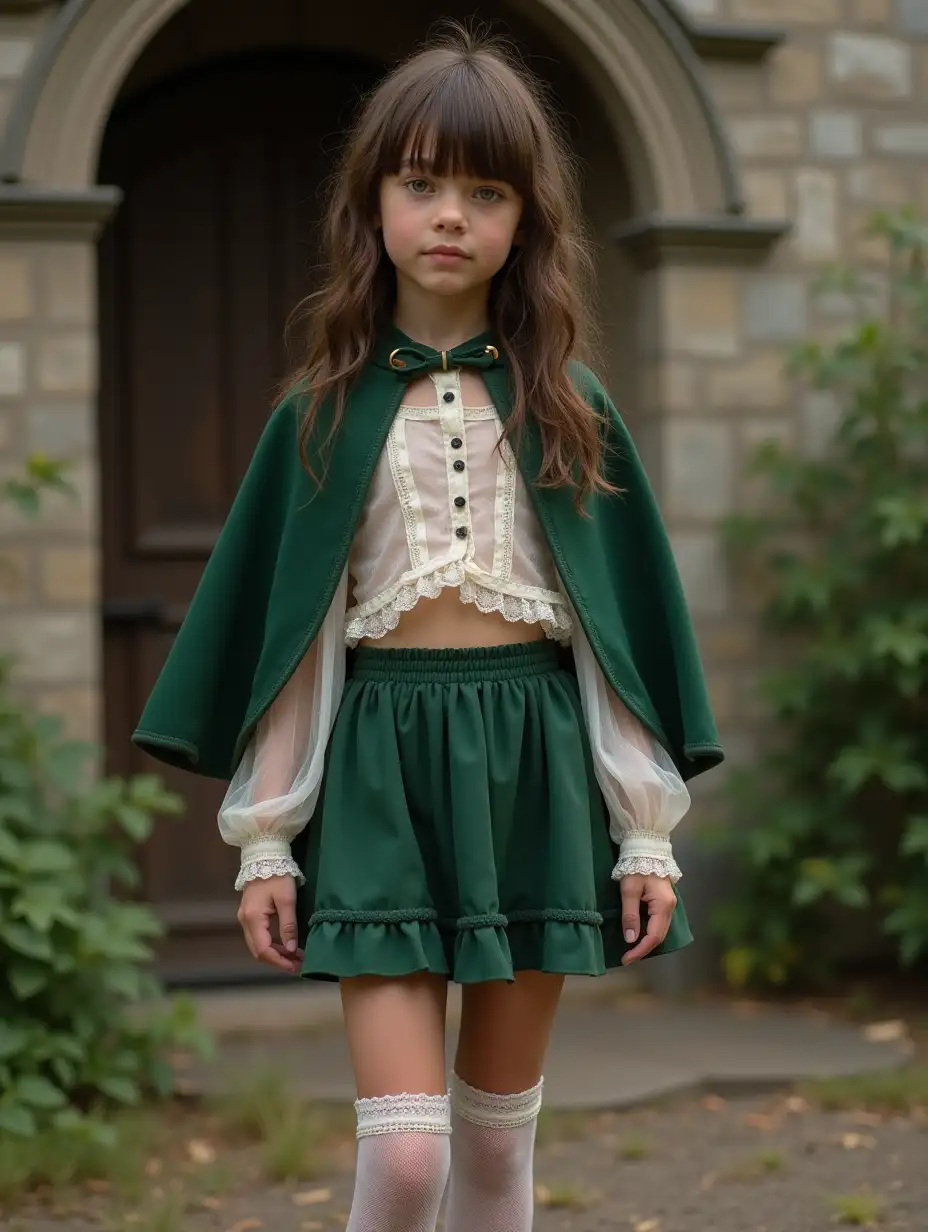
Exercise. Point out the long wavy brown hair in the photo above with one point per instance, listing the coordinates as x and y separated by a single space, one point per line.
466 105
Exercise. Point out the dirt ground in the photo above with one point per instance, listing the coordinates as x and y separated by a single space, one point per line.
771 1164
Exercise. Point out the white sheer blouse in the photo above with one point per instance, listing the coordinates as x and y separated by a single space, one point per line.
447 507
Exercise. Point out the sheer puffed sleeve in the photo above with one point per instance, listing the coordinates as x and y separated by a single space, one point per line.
644 793
274 790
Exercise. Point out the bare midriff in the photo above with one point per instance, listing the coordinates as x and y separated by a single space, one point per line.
443 622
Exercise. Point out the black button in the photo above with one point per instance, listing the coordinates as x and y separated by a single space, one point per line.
449 396
460 502
459 465
456 442
461 532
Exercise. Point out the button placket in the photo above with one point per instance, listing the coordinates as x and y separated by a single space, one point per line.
451 414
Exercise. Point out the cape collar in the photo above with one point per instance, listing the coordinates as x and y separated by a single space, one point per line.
399 353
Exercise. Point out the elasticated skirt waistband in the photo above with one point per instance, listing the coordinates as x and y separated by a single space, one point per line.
455 666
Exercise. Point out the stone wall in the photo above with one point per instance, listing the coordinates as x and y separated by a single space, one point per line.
49 588
831 125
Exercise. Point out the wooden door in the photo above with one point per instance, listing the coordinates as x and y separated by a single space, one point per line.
210 251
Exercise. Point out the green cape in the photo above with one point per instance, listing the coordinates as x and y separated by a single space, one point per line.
274 570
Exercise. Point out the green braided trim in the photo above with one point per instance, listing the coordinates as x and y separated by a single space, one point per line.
465 923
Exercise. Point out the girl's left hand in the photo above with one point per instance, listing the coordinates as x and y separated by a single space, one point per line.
658 893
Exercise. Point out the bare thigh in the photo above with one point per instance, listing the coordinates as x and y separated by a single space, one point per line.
396 1033
505 1030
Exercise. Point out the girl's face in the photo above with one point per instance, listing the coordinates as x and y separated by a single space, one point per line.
447 235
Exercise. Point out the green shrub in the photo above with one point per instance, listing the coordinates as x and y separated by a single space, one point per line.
74 955
833 821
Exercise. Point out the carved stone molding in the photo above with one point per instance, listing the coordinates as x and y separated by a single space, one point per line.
655 240
35 213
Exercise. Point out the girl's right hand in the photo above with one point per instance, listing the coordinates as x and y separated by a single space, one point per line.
261 900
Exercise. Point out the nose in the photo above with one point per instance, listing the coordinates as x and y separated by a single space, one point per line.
449 211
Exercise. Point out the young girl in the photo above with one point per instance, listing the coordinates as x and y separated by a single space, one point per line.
482 786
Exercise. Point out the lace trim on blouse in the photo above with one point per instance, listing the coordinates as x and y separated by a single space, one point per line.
554 618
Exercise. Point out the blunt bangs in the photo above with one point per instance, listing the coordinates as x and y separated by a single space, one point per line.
460 120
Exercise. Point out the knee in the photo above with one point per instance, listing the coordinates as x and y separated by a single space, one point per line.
493 1155
416 1168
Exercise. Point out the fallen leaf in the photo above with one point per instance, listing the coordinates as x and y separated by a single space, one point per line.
211 1203
200 1151
851 1142
312 1225
795 1103
95 1185
153 1167
885 1032
649 1225
714 1103
246 1225
762 1121
708 1181
543 1194
860 1116
312 1197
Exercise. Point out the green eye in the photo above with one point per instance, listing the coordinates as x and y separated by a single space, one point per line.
417 186
495 194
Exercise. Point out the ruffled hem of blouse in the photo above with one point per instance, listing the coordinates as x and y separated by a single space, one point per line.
647 866
553 618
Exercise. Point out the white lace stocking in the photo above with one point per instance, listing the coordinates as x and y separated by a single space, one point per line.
404 1153
493 1147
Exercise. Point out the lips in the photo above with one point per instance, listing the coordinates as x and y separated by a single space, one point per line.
445 250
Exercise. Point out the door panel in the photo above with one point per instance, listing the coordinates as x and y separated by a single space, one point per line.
212 248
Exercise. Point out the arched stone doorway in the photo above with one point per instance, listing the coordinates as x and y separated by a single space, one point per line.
220 147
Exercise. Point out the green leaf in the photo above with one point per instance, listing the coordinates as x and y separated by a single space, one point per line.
38 1092
47 858
12 1039
26 941
120 1089
17 1120
27 979
915 838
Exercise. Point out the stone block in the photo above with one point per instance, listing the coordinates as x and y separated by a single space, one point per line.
15 285
816 234
766 193
755 494
698 468
836 134
819 416
702 316
871 12
77 706
67 518
912 16
735 86
70 576
797 75
52 647
768 136
703 568
907 139
728 642
879 184
720 685
780 12
60 431
67 364
68 282
754 384
869 298
870 66
14 56
12 369
671 386
775 308
15 576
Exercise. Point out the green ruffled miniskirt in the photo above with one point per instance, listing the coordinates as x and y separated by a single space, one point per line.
460 828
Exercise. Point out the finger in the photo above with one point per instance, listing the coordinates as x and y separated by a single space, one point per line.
658 925
271 957
243 921
285 905
632 889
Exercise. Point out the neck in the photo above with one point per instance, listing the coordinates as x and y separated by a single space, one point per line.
438 321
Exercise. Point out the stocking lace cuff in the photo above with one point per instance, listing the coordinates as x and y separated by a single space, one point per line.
405 1114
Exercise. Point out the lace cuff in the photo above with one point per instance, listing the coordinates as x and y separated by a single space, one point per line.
264 858
646 854
389 1114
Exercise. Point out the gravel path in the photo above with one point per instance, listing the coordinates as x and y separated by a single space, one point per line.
770 1164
